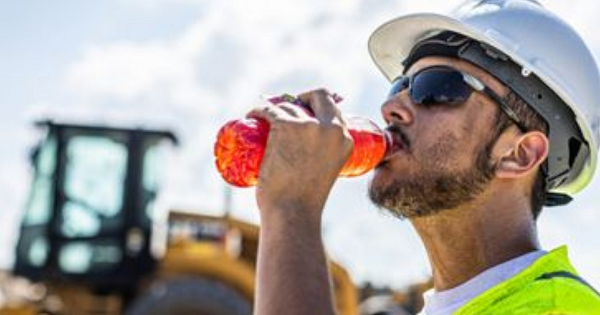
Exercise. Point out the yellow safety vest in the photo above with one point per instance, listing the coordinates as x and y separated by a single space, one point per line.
549 286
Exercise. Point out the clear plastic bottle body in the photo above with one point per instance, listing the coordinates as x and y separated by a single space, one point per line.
240 147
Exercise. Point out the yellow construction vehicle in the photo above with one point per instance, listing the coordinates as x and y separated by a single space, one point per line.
90 242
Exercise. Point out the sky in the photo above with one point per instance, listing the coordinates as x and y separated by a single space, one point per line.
191 65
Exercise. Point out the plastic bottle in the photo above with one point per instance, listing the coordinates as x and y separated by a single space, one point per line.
240 146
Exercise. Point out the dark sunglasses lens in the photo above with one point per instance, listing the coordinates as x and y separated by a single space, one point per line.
439 86
398 86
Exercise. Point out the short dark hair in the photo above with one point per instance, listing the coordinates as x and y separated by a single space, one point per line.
531 120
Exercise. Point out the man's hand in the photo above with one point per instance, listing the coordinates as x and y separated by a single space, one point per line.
304 154
303 158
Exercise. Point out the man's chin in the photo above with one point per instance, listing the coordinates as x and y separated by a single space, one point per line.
382 177
402 207
385 193
408 198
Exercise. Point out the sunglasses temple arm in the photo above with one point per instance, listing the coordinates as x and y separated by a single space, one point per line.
505 108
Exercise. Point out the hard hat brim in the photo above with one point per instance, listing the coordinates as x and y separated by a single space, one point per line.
392 42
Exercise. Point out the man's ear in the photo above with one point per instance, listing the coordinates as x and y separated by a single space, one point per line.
527 153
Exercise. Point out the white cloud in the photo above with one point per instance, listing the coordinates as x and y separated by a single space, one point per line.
159 4
126 70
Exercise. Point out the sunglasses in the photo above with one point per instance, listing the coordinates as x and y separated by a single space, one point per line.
441 85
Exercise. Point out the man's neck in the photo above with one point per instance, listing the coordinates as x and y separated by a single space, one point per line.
461 243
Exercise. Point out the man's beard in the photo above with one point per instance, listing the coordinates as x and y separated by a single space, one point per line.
435 189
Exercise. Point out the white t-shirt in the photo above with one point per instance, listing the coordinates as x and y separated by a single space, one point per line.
448 301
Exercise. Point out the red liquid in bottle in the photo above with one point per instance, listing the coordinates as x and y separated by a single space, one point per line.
239 150
369 147
240 147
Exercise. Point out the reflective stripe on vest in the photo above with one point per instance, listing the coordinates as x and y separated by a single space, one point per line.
566 274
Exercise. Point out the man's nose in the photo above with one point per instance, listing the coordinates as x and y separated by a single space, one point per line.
398 109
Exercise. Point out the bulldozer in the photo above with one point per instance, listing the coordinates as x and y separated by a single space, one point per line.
90 241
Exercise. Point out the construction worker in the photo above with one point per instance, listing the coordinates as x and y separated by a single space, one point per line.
494 113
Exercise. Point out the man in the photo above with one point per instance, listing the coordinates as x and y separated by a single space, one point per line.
491 118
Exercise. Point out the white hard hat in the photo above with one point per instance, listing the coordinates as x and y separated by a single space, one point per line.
547 57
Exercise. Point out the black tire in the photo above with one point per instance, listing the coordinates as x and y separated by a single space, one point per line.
190 296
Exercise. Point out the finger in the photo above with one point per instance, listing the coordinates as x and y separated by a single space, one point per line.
322 104
270 113
296 111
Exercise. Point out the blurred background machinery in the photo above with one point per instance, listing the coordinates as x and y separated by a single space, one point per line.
91 241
